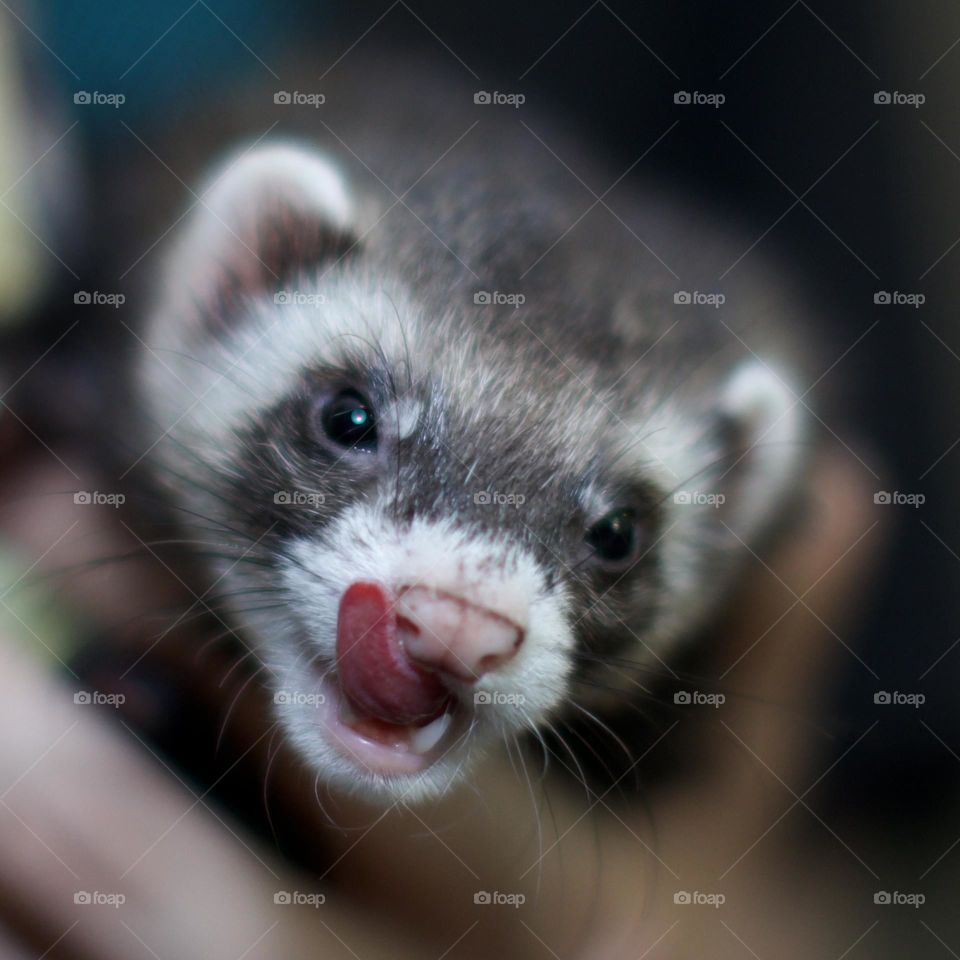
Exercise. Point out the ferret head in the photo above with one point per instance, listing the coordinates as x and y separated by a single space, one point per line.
434 516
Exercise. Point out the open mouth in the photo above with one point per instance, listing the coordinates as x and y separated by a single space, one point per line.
387 709
383 747
382 710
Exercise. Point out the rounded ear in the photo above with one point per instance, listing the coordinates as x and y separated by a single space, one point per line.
763 428
270 212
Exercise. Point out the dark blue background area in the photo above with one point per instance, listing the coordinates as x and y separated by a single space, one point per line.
158 53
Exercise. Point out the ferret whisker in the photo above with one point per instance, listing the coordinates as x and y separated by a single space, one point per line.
233 703
580 773
534 806
606 729
239 662
272 753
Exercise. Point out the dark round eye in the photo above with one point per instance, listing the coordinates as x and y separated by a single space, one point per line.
348 420
614 537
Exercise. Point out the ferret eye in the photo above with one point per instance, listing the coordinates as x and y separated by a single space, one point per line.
348 420
614 537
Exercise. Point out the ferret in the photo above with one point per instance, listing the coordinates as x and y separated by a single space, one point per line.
461 432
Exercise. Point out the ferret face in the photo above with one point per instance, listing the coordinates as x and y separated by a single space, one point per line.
431 527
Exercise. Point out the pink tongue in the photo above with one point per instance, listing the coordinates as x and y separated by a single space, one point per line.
375 673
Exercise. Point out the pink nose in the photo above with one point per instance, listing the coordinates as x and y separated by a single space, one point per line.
446 633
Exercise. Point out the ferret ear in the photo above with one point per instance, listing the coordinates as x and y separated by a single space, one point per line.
762 430
268 213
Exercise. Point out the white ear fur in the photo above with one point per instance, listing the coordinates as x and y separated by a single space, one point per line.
271 197
768 416
295 175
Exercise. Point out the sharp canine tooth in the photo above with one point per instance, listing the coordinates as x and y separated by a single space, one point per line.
426 738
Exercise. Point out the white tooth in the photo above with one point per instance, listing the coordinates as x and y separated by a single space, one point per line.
345 712
426 738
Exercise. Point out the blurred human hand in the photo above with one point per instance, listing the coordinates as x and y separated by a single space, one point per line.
85 808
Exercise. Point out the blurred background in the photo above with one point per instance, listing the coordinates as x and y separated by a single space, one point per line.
837 144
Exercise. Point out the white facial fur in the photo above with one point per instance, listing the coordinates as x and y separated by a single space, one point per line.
364 544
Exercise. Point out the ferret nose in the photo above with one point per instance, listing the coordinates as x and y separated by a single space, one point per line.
447 633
